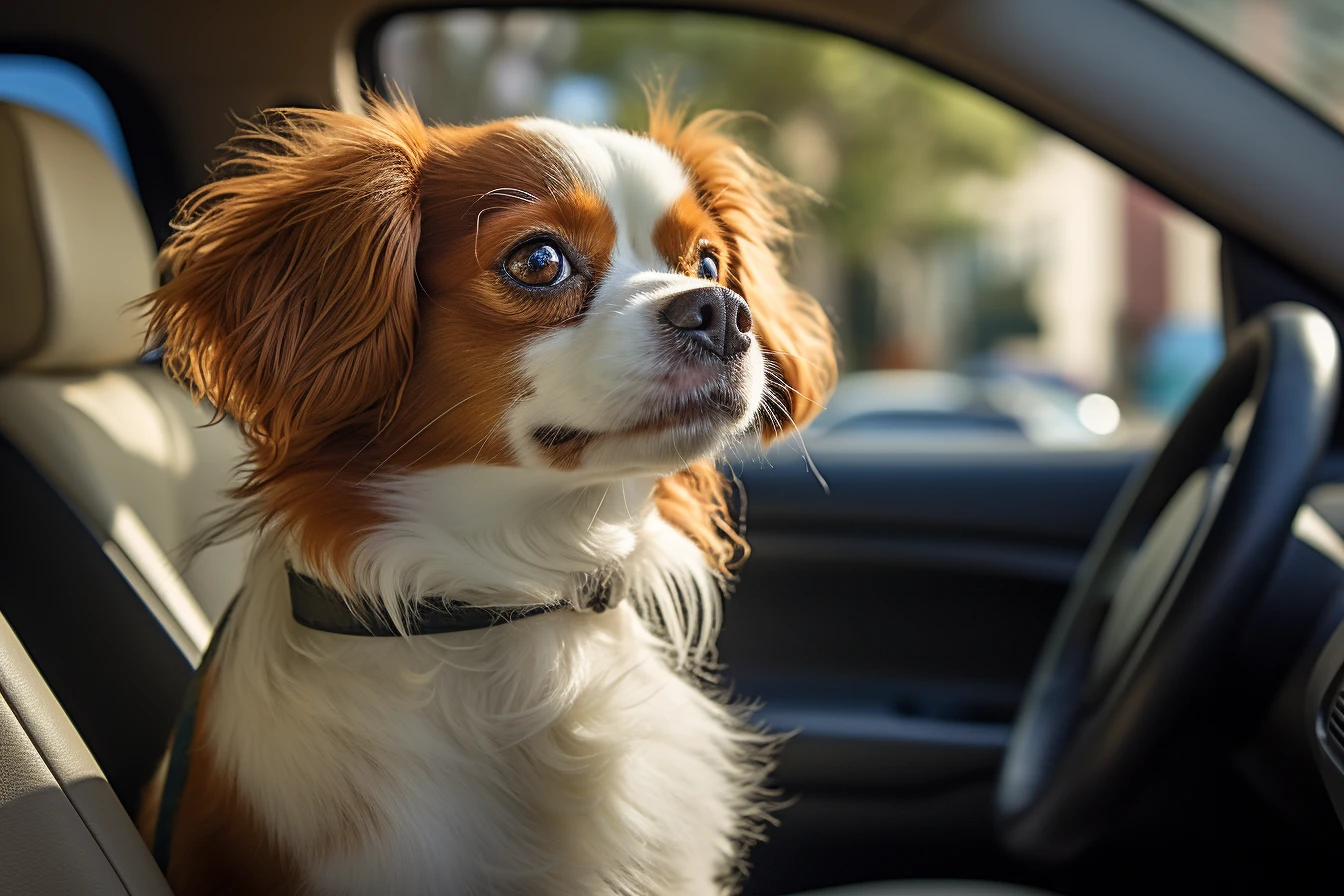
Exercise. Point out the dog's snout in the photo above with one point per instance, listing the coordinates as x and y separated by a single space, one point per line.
714 317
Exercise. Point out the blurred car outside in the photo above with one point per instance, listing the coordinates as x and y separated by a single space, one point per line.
976 405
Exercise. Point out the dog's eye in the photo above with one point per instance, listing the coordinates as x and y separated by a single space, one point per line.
708 269
538 264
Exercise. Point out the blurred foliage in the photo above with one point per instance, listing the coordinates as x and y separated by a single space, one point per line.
892 150
884 142
921 258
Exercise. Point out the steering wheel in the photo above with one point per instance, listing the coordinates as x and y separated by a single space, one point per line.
1179 561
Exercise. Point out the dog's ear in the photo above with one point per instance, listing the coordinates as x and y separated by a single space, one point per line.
753 203
695 500
292 304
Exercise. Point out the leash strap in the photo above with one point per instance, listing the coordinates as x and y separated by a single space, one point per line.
179 750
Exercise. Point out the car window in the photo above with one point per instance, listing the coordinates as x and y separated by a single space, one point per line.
988 278
66 91
1298 45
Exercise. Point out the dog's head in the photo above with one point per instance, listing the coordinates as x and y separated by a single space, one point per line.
368 296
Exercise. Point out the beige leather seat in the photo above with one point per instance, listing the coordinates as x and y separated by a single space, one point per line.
125 449
123 444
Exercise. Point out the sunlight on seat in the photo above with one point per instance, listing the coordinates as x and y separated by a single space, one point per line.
1310 528
130 534
131 418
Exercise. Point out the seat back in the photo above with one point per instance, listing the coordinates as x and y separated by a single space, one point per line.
104 469
124 445
62 829
106 465
117 673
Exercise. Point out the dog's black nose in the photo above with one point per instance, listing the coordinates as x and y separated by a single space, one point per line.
715 317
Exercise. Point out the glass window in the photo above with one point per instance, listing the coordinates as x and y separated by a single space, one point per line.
1298 45
66 91
988 278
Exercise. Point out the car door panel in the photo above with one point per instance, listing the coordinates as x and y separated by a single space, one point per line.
890 621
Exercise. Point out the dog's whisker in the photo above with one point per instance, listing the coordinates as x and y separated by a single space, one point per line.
807 398
416 434
592 522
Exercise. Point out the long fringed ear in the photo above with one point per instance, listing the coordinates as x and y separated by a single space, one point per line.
695 501
292 304
752 201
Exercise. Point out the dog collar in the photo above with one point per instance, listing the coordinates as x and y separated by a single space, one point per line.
320 607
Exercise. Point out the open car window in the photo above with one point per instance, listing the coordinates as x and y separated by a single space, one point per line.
65 91
989 279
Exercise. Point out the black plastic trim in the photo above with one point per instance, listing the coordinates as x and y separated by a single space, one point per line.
117 673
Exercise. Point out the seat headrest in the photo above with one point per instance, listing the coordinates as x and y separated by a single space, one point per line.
75 249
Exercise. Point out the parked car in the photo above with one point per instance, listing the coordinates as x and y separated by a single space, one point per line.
942 407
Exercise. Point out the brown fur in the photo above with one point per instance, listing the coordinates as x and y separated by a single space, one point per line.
293 302
474 324
215 827
683 231
292 305
151 799
295 307
695 501
337 293
742 207
752 202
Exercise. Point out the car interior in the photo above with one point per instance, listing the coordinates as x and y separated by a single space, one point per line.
1076 668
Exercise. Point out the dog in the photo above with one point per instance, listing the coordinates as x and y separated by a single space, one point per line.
482 373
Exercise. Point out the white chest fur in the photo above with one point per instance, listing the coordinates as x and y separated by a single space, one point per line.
563 754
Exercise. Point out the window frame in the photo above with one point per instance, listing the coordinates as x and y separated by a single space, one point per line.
148 141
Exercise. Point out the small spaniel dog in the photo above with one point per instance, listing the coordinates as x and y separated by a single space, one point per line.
482 373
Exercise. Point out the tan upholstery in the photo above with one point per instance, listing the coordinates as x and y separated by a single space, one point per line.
62 829
75 248
126 447
122 443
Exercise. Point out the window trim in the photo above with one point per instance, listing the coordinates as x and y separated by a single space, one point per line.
147 139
